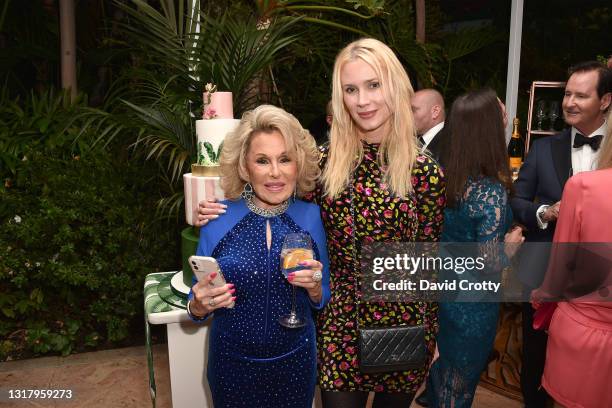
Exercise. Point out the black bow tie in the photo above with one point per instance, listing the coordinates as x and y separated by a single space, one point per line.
581 140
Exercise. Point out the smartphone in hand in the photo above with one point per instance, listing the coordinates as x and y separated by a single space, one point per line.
202 266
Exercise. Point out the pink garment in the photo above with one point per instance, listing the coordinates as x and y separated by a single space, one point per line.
543 315
578 371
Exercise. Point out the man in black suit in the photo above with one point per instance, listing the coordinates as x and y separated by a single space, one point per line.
428 112
538 189
429 115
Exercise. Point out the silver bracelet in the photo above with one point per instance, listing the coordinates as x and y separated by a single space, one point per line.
194 317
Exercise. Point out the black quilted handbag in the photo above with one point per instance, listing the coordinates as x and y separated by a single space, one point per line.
392 348
398 348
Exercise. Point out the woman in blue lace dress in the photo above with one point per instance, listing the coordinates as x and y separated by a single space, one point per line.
478 185
253 361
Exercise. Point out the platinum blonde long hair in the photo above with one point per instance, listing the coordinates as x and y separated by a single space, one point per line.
398 149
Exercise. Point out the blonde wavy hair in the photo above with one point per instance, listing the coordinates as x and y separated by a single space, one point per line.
605 154
398 149
300 145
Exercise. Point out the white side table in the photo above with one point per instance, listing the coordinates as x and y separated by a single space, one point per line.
187 344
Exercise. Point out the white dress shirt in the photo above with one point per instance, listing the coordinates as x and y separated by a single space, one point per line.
583 159
431 133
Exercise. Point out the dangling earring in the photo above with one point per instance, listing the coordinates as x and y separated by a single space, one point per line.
295 194
247 191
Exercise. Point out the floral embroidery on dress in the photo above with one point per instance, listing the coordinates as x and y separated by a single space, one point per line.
380 217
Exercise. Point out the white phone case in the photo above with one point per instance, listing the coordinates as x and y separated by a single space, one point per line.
202 266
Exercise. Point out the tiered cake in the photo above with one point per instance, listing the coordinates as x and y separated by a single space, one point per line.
204 180
217 121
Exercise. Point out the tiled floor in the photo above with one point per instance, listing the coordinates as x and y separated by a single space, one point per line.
118 378
111 378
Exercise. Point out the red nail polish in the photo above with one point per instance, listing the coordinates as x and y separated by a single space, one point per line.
232 291
230 285
233 298
290 277
213 275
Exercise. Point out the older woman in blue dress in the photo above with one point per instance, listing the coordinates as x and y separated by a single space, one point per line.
253 360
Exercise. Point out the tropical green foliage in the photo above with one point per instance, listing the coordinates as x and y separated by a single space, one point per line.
77 238
175 61
39 119
77 230
156 100
232 54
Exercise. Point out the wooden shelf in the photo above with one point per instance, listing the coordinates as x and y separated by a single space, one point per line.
548 84
544 132
532 99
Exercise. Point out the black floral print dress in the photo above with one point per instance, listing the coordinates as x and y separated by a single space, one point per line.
380 217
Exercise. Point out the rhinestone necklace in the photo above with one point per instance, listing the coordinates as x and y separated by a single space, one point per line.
267 212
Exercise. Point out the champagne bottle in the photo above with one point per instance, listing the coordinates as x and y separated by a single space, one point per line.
515 149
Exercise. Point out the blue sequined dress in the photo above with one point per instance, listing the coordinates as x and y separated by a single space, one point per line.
467 330
253 361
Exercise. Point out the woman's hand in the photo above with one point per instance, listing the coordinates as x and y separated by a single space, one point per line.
513 241
209 210
207 298
309 279
536 298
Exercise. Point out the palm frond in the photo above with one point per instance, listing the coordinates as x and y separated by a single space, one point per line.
468 40
170 207
162 36
235 52
167 137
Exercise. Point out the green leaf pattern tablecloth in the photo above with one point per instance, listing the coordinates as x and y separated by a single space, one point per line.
158 298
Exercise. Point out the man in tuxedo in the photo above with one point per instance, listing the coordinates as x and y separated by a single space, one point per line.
538 189
429 115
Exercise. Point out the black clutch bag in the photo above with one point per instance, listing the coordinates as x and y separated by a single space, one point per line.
397 348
